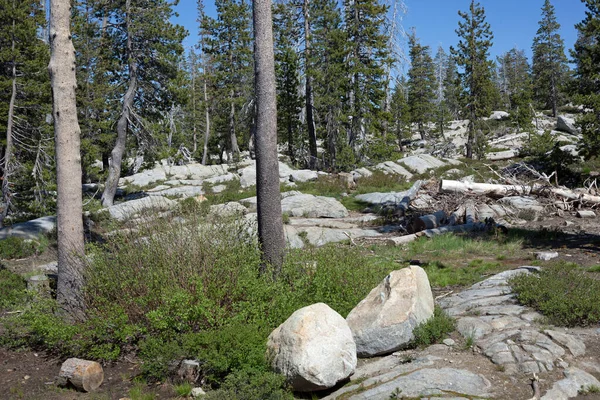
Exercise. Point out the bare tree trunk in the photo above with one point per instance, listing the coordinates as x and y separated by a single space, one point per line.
207 127
9 136
114 171
195 130
270 221
235 150
71 261
310 103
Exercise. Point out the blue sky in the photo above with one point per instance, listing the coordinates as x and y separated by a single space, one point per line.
513 22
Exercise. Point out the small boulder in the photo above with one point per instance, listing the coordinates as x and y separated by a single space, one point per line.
304 175
384 321
566 124
499 115
313 348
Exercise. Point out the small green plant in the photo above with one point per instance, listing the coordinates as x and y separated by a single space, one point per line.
469 342
12 289
286 218
595 268
434 329
563 293
14 247
396 394
138 392
184 389
590 389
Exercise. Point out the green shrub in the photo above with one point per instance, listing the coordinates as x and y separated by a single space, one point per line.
12 289
562 293
434 330
14 247
252 385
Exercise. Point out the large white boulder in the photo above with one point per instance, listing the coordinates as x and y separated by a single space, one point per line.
313 348
126 210
499 115
421 163
384 321
566 124
31 229
304 175
390 167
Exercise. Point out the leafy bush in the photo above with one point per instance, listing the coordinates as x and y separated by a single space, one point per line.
244 385
14 247
12 289
563 294
434 330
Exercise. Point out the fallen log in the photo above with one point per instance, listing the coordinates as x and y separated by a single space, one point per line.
497 191
470 213
82 374
400 240
429 221
502 155
456 216
586 214
410 195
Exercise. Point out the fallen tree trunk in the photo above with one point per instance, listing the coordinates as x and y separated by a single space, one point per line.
497 191
400 240
470 213
83 374
430 221
502 155
456 216
402 207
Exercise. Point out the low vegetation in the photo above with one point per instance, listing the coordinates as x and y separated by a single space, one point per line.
563 293
433 330
15 247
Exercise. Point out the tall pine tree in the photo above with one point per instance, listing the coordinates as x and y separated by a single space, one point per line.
587 58
472 54
421 85
549 60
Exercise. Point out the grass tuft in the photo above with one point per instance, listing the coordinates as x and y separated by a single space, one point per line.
434 330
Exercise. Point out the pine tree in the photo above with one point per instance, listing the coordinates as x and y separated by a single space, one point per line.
287 67
472 55
452 89
587 58
442 113
145 68
421 85
400 111
516 87
549 60
367 56
330 76
227 43
24 104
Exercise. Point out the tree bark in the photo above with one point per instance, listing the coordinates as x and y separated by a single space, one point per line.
8 149
114 171
207 127
235 150
310 121
270 221
71 262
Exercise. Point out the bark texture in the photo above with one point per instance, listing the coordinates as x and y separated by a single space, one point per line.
83 374
270 221
71 261
310 120
9 139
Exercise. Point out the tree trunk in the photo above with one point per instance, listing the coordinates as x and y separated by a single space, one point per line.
310 121
83 374
235 150
71 262
114 171
270 221
207 127
8 149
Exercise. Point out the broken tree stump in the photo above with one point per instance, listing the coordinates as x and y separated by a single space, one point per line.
82 374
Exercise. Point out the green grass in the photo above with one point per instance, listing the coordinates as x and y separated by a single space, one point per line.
595 268
563 293
183 389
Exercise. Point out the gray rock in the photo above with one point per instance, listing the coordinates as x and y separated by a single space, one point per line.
566 124
197 392
144 178
546 255
522 203
31 229
449 342
384 321
421 163
222 178
230 209
361 173
248 176
318 236
430 382
499 115
307 205
575 380
575 346
378 198
471 327
313 348
292 237
180 192
304 175
390 167
126 210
